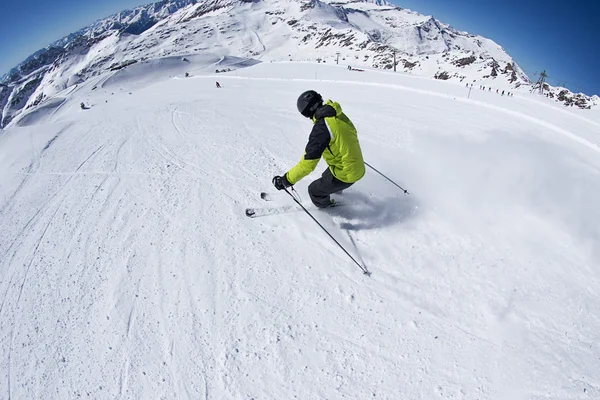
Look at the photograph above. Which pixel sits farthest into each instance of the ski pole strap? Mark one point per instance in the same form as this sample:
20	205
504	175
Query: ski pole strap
364	269
394	183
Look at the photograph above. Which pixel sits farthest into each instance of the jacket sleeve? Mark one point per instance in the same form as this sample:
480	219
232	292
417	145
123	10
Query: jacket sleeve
317	143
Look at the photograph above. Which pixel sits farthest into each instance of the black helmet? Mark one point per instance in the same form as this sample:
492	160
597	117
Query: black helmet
308	102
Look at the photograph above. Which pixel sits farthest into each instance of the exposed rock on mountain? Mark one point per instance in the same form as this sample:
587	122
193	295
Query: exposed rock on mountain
354	32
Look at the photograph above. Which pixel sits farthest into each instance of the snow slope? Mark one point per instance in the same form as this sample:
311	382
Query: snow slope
358	33
128	268
364	33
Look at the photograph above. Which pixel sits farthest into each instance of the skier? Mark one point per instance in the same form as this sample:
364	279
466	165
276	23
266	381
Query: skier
218	85
334	138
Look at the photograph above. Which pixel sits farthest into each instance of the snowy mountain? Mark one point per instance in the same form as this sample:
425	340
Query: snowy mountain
353	32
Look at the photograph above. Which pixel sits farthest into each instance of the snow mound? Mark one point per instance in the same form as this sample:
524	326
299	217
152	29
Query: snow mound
40	113
142	73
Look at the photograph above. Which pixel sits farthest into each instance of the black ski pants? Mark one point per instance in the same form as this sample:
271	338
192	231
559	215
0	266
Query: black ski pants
327	184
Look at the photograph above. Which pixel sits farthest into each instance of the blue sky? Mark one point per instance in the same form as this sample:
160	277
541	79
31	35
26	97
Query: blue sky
27	26
558	36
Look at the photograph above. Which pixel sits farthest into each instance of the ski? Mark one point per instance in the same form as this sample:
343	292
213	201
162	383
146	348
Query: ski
255	212
264	211
272	197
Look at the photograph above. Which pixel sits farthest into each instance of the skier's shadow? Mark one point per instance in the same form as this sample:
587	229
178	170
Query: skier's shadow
363	212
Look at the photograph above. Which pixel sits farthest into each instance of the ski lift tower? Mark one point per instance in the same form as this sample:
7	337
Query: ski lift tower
540	83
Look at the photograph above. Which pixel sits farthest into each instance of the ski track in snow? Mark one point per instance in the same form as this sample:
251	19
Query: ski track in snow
129	270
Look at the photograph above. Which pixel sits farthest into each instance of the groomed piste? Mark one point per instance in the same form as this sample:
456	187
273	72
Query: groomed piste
128	268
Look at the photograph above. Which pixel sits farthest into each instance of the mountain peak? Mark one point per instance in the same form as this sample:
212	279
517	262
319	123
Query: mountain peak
367	32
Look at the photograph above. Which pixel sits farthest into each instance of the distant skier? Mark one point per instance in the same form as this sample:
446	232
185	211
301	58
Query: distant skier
334	138
489	89
503	93
83	106
218	85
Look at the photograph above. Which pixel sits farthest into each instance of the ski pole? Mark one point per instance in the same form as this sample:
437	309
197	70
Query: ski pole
394	183
364	269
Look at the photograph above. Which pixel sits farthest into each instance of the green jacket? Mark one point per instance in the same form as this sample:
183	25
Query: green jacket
334	138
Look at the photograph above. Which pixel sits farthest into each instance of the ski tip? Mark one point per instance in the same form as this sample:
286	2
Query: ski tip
265	196
367	273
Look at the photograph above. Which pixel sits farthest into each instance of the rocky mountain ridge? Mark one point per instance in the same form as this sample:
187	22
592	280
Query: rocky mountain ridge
355	32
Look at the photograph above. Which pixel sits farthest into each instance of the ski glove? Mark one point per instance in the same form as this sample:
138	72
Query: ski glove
280	182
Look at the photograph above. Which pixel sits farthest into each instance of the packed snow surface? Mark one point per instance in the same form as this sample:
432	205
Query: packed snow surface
129	270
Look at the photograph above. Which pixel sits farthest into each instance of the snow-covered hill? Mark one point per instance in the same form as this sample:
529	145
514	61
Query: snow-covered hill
364	33
129	270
